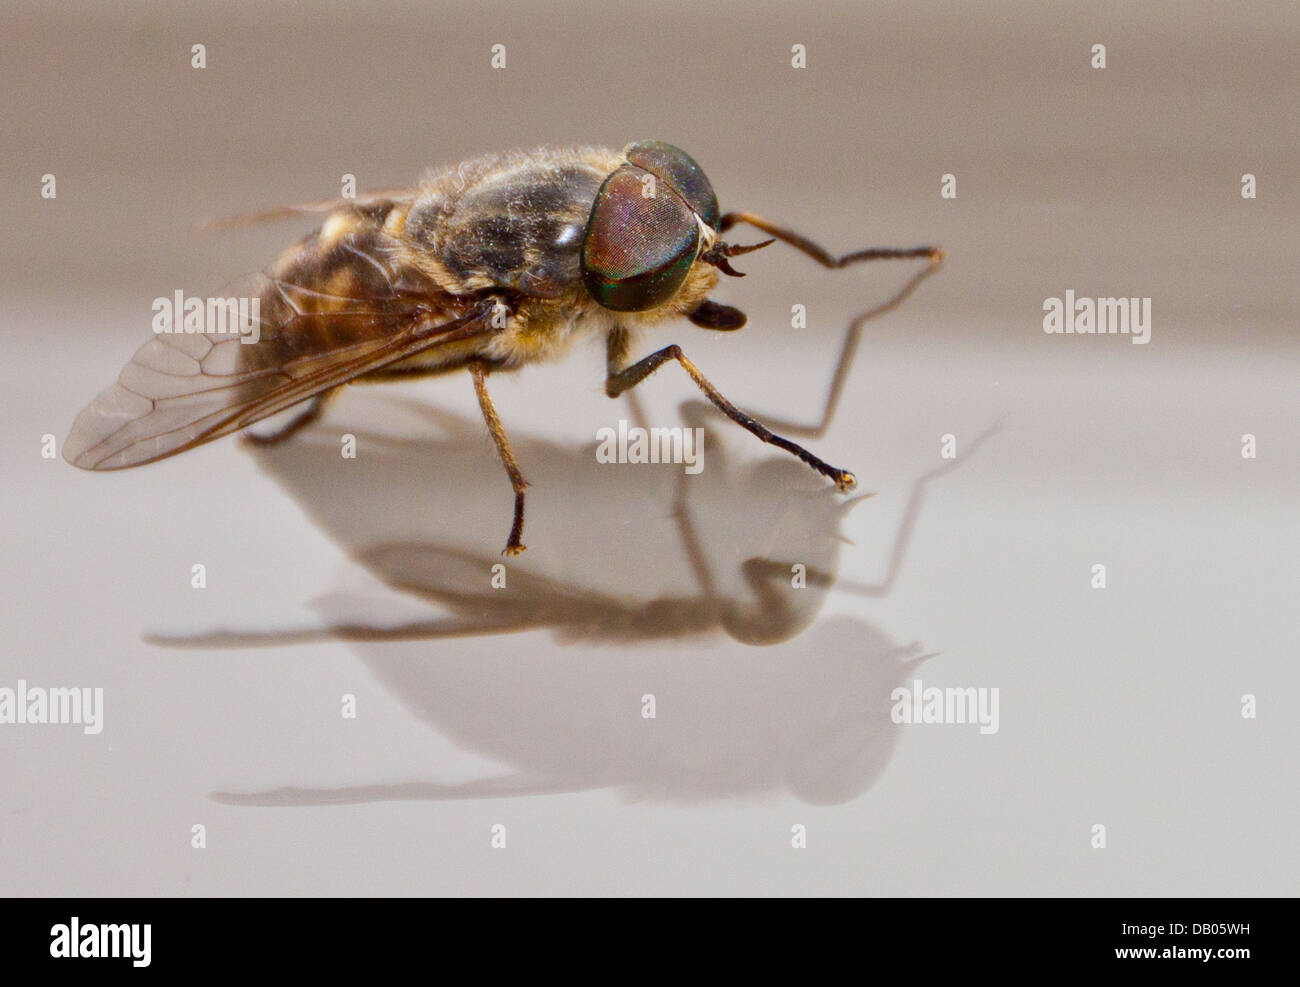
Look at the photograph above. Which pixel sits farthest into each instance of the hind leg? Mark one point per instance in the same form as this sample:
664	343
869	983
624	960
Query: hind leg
315	408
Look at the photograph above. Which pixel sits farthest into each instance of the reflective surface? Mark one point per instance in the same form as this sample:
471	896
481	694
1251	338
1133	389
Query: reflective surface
523	706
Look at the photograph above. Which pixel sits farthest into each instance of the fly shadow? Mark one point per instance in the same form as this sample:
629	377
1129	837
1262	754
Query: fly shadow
670	612
652	586
619	551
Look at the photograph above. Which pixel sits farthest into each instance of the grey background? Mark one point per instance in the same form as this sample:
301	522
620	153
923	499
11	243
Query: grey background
1118	707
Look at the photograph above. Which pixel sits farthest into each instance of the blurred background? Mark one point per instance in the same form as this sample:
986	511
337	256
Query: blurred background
523	707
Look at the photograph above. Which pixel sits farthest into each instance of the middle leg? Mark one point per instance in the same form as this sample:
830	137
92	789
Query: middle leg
479	370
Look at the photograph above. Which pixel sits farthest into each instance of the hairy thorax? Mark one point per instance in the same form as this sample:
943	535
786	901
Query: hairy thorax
514	224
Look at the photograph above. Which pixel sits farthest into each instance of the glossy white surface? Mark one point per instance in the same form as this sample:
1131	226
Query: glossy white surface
1118	706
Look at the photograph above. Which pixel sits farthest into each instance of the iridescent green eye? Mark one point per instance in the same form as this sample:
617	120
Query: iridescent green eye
643	234
640	242
678	169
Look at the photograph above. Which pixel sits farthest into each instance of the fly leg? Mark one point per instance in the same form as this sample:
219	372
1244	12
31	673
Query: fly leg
618	381
824	257
479	370
819	253
315	408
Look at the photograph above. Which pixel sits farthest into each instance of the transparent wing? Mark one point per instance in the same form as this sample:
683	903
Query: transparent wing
327	313
181	391
382	199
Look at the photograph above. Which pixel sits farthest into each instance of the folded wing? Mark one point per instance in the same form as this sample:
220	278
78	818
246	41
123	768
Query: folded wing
333	308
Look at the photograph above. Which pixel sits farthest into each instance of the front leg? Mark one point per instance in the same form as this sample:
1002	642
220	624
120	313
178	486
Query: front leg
619	380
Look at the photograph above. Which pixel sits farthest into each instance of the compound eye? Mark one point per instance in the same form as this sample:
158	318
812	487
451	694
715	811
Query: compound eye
673	165
641	241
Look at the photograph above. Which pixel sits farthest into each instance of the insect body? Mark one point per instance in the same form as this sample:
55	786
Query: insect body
500	261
